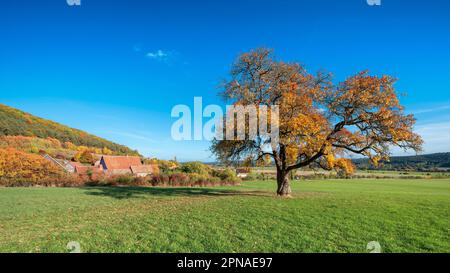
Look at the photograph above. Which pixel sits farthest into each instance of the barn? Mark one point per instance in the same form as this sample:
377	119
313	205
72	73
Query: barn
119	165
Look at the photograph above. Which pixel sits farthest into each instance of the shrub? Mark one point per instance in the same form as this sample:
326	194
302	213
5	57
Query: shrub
84	157
227	175
165	166
71	181
215	181
21	167
196	178
63	181
142	181
123	179
179	179
160	179
196	167
251	177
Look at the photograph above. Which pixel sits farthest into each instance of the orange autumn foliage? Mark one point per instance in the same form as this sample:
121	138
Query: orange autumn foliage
16	165
321	123
18	123
49	146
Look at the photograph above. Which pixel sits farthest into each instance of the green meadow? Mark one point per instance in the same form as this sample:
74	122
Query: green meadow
322	216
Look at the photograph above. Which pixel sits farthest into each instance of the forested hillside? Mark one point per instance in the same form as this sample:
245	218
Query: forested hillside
14	122
418	162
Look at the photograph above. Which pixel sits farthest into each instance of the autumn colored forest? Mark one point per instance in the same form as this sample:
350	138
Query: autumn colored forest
25	139
14	122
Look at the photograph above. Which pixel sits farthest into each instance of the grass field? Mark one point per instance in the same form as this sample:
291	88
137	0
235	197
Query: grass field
323	216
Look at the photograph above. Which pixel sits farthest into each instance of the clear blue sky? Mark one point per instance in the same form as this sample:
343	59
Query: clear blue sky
116	68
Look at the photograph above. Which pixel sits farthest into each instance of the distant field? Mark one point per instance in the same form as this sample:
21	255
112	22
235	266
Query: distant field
364	173
323	216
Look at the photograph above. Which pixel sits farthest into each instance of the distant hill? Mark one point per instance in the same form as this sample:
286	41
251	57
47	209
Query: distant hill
420	162
14	122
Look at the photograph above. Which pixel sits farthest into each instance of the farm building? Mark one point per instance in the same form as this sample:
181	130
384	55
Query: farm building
86	170
117	165
144	170
110	165
242	172
64	164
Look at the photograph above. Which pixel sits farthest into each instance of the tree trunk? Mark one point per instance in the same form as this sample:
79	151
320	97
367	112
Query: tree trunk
284	188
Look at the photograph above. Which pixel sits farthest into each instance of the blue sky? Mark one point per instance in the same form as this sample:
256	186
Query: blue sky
116	68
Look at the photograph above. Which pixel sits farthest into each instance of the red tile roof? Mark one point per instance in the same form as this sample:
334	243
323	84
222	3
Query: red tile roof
242	170
121	162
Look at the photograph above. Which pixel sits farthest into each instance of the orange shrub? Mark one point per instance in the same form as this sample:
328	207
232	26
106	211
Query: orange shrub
16	166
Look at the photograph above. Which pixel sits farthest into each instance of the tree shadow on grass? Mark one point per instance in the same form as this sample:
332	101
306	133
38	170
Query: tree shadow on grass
141	192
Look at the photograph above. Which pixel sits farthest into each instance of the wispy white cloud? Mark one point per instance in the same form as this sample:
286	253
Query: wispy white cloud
436	136
158	55
433	125
168	57
133	135
431	109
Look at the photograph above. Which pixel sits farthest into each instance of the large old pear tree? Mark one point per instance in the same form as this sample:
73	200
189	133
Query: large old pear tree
320	123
